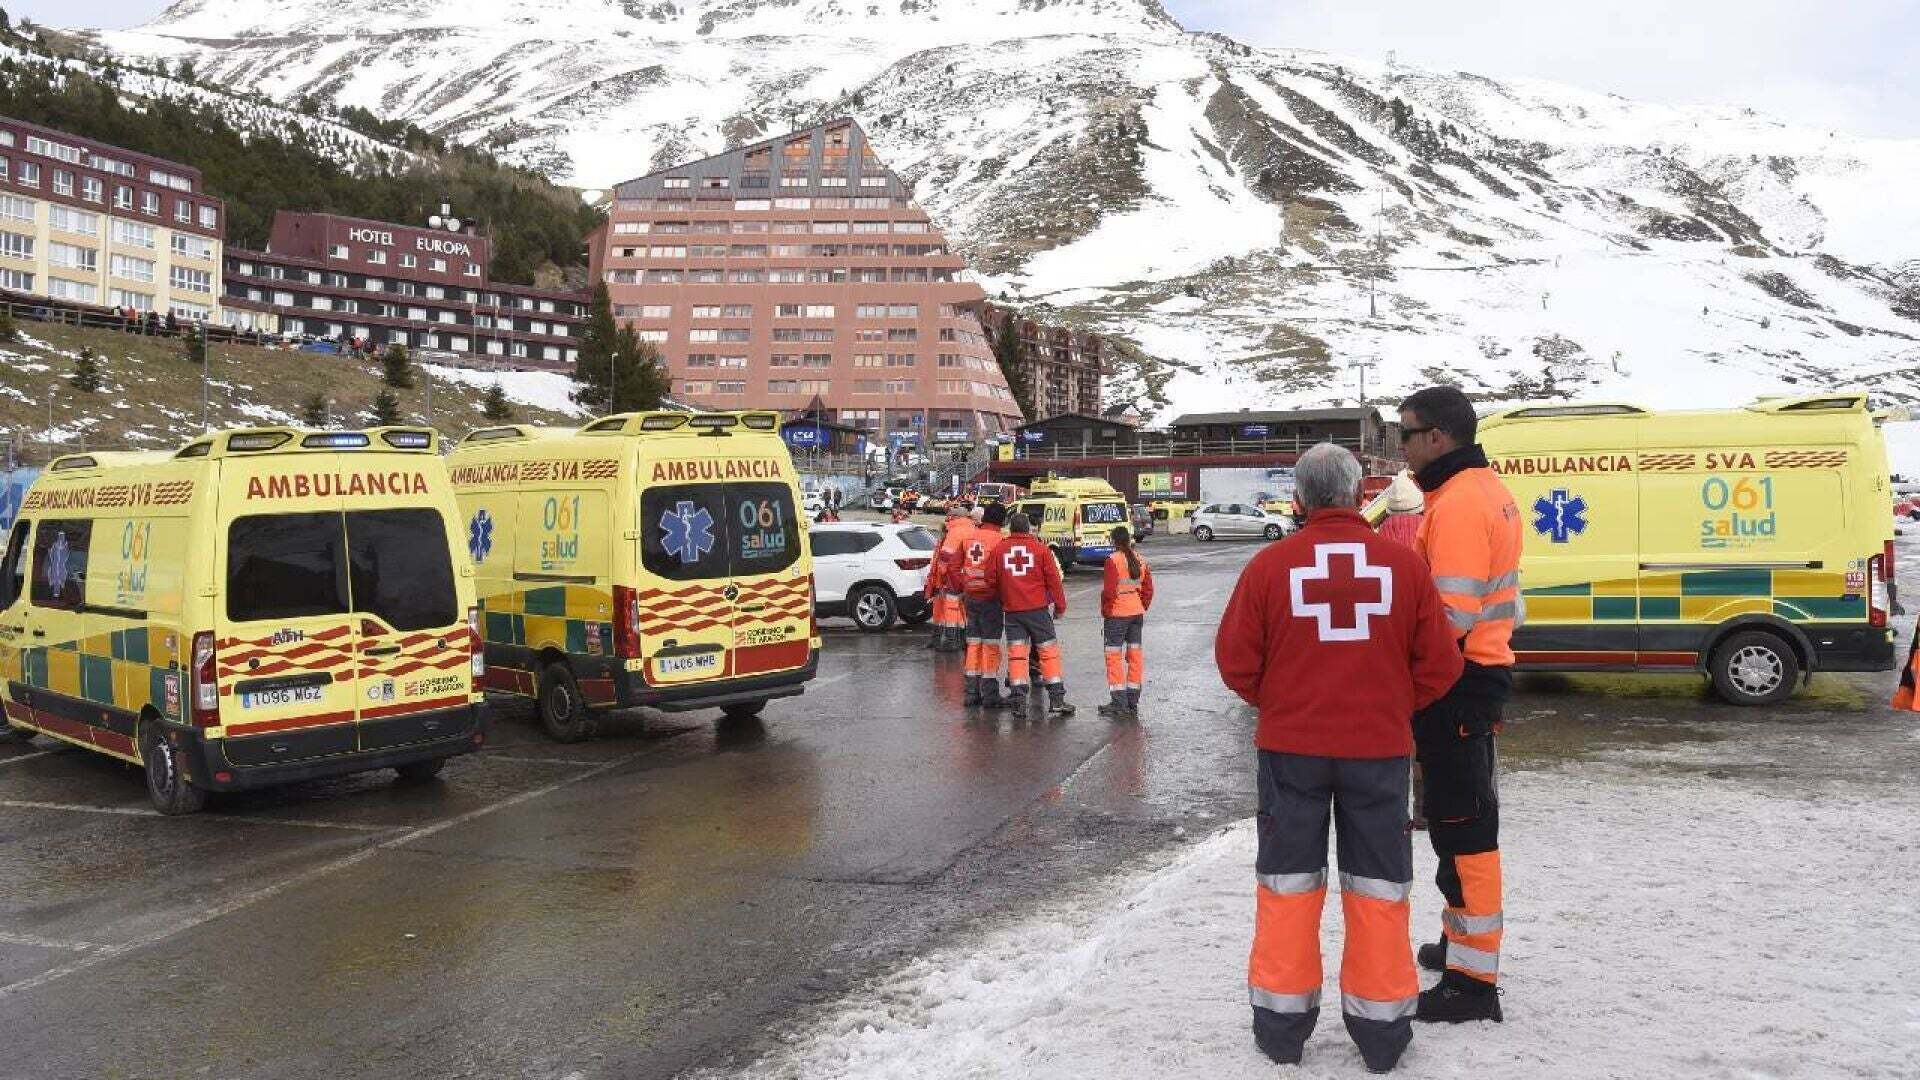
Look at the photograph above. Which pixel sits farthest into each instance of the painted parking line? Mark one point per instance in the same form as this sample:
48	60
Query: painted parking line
94	957
143	811
25	757
31	941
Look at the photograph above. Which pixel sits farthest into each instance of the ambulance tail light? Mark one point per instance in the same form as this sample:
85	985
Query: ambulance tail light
626	622
203	688
477	658
1880	586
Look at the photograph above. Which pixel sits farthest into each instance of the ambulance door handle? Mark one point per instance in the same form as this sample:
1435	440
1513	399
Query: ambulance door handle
37	632
753	607
380	650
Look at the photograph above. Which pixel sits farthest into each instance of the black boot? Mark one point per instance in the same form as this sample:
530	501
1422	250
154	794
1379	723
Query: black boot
1457	998
1434	957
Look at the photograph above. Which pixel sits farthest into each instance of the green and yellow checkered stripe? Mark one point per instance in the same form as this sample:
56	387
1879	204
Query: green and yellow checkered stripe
125	669
1705	596
560	615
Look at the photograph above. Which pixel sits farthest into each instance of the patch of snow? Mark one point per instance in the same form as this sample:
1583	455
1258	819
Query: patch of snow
1647	935
1903	447
547	390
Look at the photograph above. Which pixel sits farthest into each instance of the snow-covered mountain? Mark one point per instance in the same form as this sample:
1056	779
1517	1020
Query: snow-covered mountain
1224	207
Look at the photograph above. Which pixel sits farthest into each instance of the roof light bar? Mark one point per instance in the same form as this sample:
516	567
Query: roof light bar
408	440
336	440
664	422
254	441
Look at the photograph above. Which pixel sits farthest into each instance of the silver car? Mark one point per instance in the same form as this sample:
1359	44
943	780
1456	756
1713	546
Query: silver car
1224	520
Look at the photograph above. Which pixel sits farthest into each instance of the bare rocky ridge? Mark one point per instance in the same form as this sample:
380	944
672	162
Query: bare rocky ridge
1222	207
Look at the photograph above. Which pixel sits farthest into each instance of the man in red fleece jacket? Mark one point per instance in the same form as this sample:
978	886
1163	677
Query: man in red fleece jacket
1026	577
1336	635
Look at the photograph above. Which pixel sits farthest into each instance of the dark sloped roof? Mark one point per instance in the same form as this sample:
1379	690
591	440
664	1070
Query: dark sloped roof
1298	416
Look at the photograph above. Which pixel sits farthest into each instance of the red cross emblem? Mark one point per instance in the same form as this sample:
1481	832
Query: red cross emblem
976	552
1343	601
1017	561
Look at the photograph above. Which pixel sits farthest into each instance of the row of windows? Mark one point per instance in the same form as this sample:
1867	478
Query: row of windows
899	275
337	280
430	339
445	316
92	189
751	181
74	155
737	387
378	257
724	227
789	202
86	292
784	251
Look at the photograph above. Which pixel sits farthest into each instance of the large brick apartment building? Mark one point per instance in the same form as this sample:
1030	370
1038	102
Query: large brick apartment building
1066	368
799	268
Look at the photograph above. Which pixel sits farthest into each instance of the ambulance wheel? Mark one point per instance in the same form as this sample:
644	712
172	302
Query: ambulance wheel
563	709
419	772
1273	532
168	787
1754	668
1202	533
742	712
873	608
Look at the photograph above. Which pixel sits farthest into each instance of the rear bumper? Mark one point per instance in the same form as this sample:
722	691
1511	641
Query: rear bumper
1852	648
253	761
632	689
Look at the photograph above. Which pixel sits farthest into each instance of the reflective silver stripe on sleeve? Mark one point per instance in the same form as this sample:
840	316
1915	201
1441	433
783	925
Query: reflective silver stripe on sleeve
1461	620
1293	883
1508	580
1284	1003
1478	961
1393	892
1506	609
1385	1011
1472	924
1473	586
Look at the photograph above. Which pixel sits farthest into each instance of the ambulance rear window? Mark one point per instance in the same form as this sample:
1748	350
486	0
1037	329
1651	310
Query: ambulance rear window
699	531
1103	513
391	564
402	568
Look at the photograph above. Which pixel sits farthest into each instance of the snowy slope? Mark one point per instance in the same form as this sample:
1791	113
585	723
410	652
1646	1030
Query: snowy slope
1219	205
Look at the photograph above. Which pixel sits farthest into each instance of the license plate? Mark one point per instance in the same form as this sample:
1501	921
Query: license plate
261	699
686	665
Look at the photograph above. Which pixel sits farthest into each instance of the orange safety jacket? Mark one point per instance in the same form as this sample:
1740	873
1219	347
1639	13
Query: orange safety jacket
1471	540
967	567
1907	694
1121	594
958	530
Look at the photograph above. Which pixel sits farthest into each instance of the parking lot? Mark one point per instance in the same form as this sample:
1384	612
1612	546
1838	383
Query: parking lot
674	893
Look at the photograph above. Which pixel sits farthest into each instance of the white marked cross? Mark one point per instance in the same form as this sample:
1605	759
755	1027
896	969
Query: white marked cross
1358	625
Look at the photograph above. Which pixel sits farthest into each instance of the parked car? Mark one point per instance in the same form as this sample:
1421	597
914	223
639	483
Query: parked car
1223	520
812	502
1141	520
874	573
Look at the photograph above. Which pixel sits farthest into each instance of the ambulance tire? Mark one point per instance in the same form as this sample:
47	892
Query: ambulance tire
172	793
742	712
419	772
1202	533
1754	667
563	709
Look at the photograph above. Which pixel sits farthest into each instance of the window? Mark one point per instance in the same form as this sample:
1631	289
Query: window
290	566
435	292
902	359
78	222
122	196
798	386
150	203
402	573
899	386
38	145
73	256
903	334
17	208
909	226
656	311
377	258
323	303
339	251
472	270
92	190
655	337
17	280
409	261
795	182
667	252
830	227
127	298
417	314
182	210
869	360
62	182
725	386
16	245
676	182
283	299
752	204
803	311
29	174
438	266
13	571
78	291
126	266
792	203
165	179
190	246
208	217
746	277
134	234
60	549
698	360
873	181
715	183
190	280
374	284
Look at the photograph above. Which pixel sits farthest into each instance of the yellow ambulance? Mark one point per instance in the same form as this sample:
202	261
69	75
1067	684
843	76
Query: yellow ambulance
1749	544
1074	516
264	605
653	558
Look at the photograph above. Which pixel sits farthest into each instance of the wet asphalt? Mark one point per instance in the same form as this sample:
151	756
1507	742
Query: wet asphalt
678	893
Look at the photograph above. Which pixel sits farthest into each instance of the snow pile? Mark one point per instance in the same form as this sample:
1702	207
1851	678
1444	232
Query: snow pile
1655	927
548	390
1903	447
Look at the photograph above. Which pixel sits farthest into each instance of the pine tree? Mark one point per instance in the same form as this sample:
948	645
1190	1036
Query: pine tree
396	368
1012	359
643	381
86	372
386	409
595	361
8	331
313	410
494	406
194	347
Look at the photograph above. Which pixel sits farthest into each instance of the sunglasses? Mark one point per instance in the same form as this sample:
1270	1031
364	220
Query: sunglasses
1407	434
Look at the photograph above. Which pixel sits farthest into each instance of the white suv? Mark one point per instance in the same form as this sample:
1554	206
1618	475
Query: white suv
871	572
1239	519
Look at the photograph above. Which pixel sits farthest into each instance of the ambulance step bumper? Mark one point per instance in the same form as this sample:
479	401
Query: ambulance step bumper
719	695
254	761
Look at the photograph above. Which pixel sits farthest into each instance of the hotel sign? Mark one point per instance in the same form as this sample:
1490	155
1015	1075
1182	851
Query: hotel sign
433	245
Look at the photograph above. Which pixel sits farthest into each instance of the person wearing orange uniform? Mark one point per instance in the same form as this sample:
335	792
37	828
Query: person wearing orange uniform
1125	596
1907	694
1471	540
1026	577
986	621
943	590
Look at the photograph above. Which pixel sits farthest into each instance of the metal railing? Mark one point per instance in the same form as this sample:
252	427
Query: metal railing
68	313
1147	446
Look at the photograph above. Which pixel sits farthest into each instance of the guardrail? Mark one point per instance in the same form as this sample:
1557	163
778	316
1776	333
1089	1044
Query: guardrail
67	313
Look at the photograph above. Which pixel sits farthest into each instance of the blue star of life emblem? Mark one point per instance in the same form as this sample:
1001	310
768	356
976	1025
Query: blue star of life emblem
56	575
1560	515
480	535
687	532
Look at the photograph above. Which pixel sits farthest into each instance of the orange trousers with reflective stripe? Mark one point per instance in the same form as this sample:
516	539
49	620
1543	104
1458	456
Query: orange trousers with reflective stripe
1126	657
1366	800
1458	765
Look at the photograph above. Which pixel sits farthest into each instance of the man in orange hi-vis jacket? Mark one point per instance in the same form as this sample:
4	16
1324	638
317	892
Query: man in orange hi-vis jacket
1907	694
943	589
1471	540
1337	636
